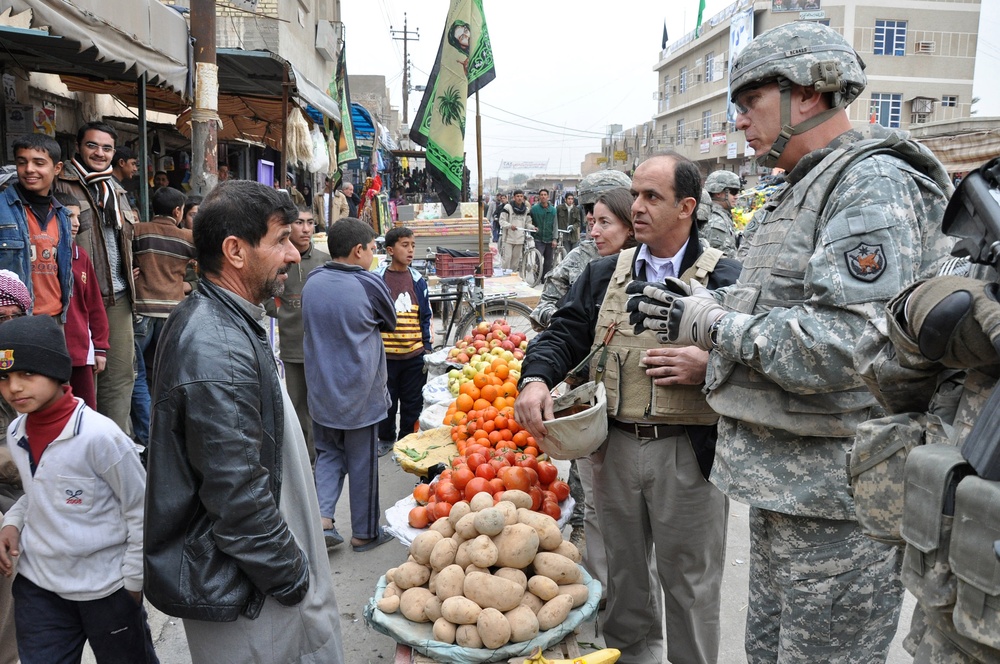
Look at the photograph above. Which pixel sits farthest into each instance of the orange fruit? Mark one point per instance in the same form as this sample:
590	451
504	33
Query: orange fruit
500	402
508	389
501	371
490	413
500	421
489	426
480	380
495	437
480	404
506	434
489	392
480	435
464	403
520	438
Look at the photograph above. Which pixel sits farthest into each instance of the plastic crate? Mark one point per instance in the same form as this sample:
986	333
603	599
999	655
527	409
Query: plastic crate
452	266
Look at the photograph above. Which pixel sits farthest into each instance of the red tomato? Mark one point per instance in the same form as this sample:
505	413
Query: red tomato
532	476
510	455
447	492
457	461
422	493
549	496
552	509
536	497
561	489
486	471
496	486
499	463
476	485
461	477
442	510
527	461
418	517
547	472
476	460
517	478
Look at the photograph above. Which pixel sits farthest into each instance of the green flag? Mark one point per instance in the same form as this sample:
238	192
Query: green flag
464	64
701	11
339	90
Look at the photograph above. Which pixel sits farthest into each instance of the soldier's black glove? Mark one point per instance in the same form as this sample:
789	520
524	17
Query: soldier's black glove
955	320
679	313
657	306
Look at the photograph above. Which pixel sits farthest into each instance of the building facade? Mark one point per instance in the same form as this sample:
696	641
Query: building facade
920	57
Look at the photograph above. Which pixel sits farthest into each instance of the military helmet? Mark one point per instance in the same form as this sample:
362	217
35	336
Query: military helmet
806	53
597	183
720	180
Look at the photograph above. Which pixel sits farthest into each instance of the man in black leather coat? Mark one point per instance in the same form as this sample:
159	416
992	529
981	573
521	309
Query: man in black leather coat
232	520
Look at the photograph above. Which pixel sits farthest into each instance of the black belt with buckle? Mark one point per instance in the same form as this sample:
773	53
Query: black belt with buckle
649	431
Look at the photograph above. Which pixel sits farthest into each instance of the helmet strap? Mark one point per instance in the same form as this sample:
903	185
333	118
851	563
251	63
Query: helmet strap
770	160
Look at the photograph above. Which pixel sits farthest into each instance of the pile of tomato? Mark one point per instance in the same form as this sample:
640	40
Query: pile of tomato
482	468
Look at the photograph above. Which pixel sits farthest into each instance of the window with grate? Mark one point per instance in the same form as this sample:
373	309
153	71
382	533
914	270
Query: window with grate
709	66
706	124
680	131
890	37
683	79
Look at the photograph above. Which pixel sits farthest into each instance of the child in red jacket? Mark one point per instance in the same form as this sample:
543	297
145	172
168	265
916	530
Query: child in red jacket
86	320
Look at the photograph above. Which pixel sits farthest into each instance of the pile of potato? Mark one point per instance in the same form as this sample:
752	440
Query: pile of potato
488	574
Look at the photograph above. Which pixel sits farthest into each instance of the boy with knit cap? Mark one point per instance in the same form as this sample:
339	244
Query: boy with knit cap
75	537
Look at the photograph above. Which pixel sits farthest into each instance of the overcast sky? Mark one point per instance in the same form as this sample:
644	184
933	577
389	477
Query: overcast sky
565	69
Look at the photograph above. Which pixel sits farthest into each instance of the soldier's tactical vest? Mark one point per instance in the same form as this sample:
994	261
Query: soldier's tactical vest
632	396
773	275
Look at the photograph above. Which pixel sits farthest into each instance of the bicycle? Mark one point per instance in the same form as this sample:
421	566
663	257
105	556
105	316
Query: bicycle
530	267
559	253
469	306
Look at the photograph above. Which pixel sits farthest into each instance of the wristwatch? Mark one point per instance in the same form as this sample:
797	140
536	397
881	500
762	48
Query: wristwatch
531	379
713	332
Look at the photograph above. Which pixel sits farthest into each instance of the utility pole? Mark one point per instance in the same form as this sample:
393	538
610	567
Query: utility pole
406	36
205	112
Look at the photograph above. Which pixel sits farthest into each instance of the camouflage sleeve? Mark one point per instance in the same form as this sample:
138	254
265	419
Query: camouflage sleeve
882	231
557	284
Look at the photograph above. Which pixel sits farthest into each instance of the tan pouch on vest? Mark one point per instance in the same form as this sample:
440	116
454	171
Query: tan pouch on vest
974	562
932	474
876	467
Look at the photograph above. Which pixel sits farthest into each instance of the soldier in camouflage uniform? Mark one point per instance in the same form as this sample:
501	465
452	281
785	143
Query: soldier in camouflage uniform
859	219
933	360
719	230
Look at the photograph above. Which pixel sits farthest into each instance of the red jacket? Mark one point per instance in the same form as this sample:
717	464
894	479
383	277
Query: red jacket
86	318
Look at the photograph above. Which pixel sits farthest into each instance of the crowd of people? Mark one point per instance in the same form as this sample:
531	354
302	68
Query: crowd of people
763	367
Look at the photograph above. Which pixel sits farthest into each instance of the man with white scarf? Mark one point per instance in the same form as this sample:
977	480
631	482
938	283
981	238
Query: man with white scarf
106	230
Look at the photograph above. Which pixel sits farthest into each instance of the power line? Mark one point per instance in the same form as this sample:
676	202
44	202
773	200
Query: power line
548	124
547	131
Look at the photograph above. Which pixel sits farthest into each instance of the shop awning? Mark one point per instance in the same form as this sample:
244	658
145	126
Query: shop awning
364	129
261	73
104	39
965	152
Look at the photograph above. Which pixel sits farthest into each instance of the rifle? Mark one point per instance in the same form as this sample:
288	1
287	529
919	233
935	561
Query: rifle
973	216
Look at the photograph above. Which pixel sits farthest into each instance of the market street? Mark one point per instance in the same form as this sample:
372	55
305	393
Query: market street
355	576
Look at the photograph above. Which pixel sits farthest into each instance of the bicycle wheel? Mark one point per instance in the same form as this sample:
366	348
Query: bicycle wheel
531	266
515	313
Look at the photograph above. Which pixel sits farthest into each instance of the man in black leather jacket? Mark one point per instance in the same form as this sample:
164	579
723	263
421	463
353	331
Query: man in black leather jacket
220	545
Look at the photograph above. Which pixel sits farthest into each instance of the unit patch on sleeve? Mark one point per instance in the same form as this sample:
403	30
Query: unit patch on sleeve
866	261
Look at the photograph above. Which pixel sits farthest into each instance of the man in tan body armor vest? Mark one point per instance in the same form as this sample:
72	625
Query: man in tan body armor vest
649	476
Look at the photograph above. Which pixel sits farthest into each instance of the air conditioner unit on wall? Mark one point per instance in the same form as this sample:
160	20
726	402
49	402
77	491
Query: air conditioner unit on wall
924	47
922	105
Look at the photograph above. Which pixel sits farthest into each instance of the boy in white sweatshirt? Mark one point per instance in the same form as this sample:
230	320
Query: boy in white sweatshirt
75	537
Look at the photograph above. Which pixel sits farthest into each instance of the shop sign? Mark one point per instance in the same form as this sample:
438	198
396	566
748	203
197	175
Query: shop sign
706	145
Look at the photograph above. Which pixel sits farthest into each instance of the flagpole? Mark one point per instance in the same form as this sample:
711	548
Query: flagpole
481	271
